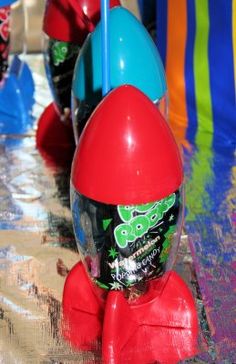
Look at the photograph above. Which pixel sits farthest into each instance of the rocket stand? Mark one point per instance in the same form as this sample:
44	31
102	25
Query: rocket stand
16	96
159	325
54	139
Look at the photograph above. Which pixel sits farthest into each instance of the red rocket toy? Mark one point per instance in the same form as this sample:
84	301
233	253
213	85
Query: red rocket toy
66	24
127	207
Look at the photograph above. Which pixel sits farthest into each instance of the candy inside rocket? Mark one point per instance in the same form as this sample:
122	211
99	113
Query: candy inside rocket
66	26
126	191
59	59
133	58
124	245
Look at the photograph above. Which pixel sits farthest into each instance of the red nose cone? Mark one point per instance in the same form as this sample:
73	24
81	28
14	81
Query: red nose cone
127	153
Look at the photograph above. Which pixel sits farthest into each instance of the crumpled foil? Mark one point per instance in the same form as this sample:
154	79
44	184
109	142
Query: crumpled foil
37	247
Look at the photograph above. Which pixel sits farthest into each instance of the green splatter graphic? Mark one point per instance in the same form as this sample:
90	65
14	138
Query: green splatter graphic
61	51
106	223
167	244
116	286
113	253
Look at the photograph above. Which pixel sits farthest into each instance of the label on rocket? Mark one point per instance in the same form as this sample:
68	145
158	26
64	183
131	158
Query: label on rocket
124	245
60	58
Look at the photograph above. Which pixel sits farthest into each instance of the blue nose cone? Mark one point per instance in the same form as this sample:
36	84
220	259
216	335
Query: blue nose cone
134	60
6	2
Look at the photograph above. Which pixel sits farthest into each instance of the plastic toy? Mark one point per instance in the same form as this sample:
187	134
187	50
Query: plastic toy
127	207
16	82
67	25
4	3
134	60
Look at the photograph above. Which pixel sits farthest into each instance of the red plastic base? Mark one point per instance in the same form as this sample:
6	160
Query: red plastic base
54	140
160	326
83	310
164	329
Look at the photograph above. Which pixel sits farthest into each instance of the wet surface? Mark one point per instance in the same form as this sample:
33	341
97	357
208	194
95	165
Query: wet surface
36	231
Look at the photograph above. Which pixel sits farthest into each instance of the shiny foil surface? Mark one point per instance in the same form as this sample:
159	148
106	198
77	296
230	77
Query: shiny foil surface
38	248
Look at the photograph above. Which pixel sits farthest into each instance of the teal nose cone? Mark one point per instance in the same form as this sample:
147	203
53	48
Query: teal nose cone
134	60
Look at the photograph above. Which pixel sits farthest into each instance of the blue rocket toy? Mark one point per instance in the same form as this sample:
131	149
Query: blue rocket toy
16	98
6	2
16	82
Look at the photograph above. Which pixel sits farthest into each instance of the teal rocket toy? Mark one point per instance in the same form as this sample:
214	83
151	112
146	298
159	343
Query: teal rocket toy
134	60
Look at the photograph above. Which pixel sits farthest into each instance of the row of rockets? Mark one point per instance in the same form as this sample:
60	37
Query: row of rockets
126	188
